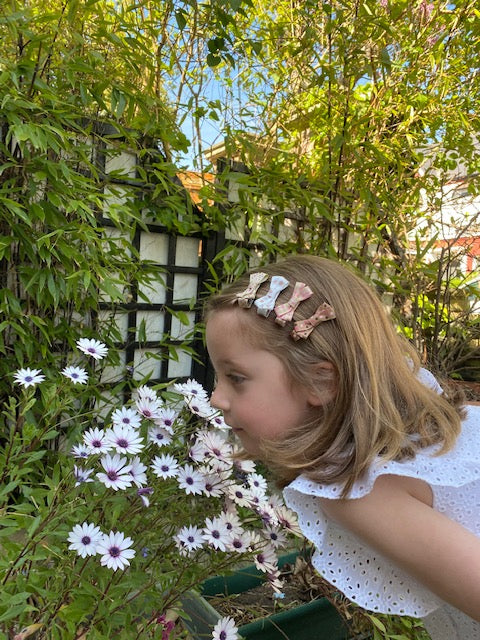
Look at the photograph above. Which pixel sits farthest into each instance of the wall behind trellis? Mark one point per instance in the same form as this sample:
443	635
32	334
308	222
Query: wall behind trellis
157	320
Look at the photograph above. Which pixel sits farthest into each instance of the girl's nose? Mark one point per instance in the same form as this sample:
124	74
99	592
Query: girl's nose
218	399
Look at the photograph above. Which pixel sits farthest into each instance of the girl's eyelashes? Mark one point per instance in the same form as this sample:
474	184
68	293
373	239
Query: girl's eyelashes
235	378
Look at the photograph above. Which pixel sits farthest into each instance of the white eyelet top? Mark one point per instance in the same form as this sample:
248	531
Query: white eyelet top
360	572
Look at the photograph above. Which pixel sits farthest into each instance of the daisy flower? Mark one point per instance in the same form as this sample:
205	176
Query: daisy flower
216	534
218	421
214	484
225	629
126	417
115	550
240	542
166	419
287	519
266	559
82	475
124	439
28	377
231	520
188	539
146	393
240	495
243	466
149	408
117	472
275	536
80	451
190	480
199	407
97	350
191	389
143	494
258	481
165	466
160	436
76	374
216	446
95	441
84	539
137	471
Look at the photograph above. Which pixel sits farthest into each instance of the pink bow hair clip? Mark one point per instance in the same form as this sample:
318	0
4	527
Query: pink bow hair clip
266	303
245	298
303	328
284	312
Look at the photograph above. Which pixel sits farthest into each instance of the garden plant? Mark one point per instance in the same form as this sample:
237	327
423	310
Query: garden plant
139	503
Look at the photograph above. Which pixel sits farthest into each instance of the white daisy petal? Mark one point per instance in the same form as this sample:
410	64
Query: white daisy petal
165	466
115	550
84	539
28	377
76	374
126	417
225	629
93	348
124	439
117	472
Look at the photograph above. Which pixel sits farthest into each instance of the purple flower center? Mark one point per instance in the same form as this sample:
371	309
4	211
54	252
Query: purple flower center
191	539
75	375
114	552
123	443
165	468
112	475
126	420
167	423
96	443
189	480
223	635
216	534
86	540
237	544
91	350
28	378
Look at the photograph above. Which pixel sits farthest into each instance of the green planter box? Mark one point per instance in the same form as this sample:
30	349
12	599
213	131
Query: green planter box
316	620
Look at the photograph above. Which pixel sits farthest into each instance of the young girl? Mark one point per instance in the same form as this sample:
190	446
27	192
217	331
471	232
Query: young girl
381	467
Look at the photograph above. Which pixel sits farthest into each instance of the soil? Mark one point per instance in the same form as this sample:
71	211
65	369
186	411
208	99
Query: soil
301	585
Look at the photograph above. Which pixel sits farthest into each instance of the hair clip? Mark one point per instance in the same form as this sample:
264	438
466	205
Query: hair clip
303	328
266	303
245	298
284	312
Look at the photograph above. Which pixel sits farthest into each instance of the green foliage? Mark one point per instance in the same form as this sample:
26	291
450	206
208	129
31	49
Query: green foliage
85	141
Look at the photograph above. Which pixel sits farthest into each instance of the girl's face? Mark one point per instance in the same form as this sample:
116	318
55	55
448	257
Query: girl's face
253	390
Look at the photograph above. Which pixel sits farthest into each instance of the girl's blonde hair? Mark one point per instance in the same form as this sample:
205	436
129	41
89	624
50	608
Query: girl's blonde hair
379	409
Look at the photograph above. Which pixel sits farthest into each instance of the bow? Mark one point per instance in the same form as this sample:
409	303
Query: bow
284	312
245	298
266	303
303	328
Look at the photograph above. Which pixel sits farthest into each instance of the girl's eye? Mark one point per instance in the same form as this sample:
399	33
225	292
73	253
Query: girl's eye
235	379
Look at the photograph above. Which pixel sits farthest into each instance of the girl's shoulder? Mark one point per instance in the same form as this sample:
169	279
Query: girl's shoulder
456	467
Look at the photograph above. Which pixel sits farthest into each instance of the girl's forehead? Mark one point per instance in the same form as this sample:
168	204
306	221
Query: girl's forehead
230	329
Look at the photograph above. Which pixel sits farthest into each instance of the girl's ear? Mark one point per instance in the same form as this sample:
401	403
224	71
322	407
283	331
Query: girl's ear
324	383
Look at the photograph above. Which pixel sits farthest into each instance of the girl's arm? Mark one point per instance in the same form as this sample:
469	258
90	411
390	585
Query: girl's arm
396	518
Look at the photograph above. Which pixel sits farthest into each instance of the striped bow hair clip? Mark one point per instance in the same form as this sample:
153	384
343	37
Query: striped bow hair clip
284	312
245	298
